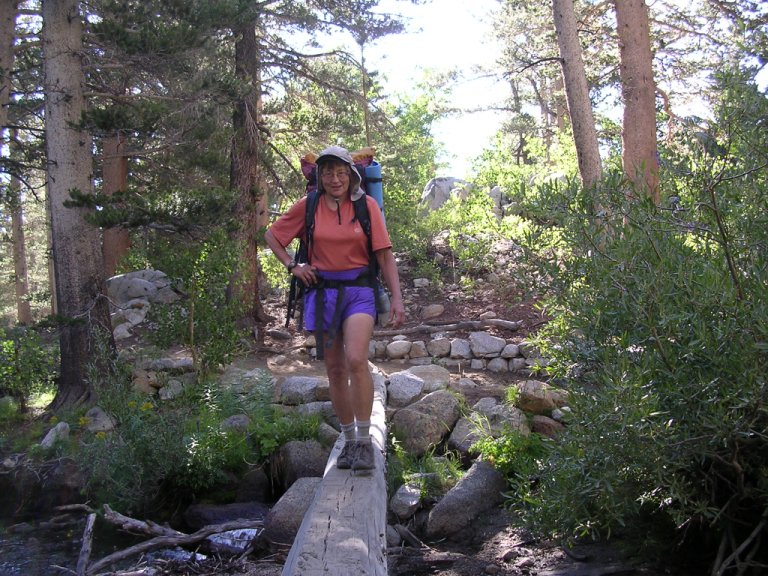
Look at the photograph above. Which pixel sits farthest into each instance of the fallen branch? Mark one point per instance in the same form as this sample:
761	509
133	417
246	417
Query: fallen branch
85	550
133	526
464	325
164	537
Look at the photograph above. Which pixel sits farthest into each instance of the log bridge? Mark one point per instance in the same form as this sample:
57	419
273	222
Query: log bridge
344	530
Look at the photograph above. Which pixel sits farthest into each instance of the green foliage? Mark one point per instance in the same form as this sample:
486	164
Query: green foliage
434	475
27	364
660	330
207	322
128	466
471	227
179	448
515	455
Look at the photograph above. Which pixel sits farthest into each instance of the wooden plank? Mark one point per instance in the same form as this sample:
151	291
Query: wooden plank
344	530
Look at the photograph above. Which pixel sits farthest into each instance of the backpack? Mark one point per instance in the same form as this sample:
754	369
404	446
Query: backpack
370	174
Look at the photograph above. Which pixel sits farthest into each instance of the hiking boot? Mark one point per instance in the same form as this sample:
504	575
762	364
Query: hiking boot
363	457
344	461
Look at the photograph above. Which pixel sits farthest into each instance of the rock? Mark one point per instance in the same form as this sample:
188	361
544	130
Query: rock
393	537
418	350
295	390
58	433
135	311
460	348
498	365
424	423
434	377
398	349
466	432
99	420
173	389
301	459
125	287
284	519
183	364
510	351
431	311
122	331
145	381
438	190
236	423
404	388
277	334
479	490
254	486
439	347
501	417
539	397
327	434
546	426
483	345
405	502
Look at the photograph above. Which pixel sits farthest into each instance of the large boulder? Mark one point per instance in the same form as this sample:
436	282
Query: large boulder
425	423
439	190
284	519
301	459
480	489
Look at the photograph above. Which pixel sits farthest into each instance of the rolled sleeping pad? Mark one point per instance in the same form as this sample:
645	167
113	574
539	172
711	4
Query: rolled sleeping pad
375	189
373	184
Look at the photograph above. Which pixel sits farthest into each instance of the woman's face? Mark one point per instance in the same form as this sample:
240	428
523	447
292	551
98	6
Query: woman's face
335	178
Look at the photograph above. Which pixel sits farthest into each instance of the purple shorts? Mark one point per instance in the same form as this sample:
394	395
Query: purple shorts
356	300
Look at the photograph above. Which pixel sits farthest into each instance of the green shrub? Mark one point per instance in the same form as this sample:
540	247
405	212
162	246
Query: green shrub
27	365
207	319
434	475
659	331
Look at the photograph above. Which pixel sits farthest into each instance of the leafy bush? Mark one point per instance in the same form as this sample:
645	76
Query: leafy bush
208	320
27	365
434	475
660	330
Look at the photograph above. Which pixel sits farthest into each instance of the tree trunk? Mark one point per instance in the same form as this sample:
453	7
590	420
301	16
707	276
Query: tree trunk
8	13
76	243
21	279
638	133
246	176
577	93
117	241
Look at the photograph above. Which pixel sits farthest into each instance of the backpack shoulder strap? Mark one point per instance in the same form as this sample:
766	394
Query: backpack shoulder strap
309	221
363	216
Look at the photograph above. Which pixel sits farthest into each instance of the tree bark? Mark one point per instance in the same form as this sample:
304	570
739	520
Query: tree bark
246	176
577	93
76	243
21	278
638	133
8	14
117	241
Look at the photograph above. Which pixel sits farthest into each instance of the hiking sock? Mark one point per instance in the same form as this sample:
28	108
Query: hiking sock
363	430
349	431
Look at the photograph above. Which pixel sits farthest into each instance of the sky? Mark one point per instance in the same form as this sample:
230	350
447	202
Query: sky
441	36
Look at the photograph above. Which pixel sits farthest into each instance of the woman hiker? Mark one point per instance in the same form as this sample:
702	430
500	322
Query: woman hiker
339	265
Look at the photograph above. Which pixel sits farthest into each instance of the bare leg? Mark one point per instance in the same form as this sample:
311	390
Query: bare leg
346	363
357	332
338	380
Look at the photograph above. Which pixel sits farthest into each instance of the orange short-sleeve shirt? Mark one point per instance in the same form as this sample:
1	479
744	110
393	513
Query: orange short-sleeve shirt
339	242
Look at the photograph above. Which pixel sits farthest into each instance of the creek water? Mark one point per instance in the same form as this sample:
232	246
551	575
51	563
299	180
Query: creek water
34	549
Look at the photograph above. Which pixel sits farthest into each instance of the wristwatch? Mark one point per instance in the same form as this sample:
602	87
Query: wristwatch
291	265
